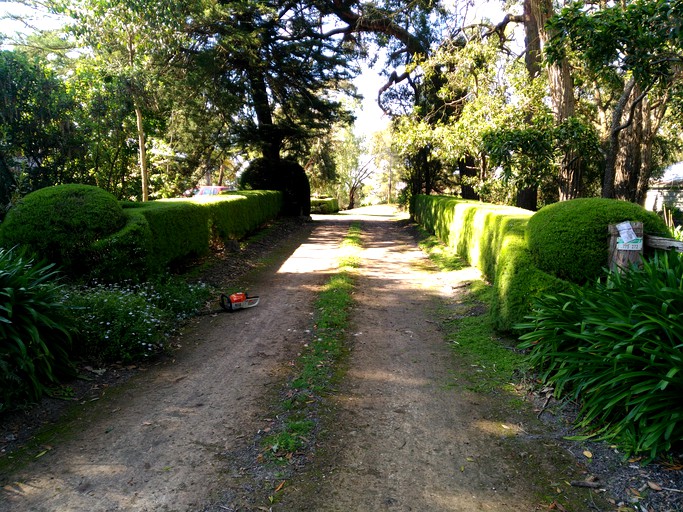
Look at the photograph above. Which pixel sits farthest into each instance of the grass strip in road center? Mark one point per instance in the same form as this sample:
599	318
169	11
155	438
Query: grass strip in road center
320	364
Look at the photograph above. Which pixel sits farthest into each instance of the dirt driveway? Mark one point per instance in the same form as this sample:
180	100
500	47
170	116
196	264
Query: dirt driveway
405	432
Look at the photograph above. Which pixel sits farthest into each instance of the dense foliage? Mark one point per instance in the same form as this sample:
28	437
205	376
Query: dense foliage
630	52
156	96
60	223
35	331
570	239
616	347
38	143
594	118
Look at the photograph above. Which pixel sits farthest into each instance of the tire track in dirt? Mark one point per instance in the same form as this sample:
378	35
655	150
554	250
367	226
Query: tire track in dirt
159	442
408	435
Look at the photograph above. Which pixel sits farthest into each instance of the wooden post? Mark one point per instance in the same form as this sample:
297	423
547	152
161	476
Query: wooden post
623	255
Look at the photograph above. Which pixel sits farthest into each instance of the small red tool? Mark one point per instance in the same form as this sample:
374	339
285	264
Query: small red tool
239	300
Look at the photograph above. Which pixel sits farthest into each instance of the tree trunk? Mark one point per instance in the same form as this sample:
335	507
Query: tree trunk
391	181
352	198
269	135
8	185
628	163
467	169
221	174
142	152
633	162
527	198
613	141
532	42
562	96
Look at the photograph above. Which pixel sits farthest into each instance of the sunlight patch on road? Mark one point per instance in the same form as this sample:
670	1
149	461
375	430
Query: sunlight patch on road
462	500
384	376
499	429
310	258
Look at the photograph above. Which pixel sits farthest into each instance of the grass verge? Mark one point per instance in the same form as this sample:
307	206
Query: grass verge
468	327
470	333
496	369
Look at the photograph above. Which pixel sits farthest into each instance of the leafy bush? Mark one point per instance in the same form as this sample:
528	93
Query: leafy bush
570	240
286	176
130	322
324	205
35	337
617	347
60	223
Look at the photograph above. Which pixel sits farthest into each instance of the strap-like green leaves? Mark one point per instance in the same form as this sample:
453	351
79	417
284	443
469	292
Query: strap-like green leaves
616	347
35	338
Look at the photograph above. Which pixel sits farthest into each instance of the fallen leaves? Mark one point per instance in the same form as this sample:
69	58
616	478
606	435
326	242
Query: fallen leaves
654	486
46	449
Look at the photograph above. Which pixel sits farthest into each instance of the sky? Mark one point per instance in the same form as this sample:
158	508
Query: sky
369	117
11	26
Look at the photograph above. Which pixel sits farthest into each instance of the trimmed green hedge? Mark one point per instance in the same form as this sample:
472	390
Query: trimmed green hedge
182	228
179	229
93	236
125	254
324	205
60	223
570	239
492	238
236	214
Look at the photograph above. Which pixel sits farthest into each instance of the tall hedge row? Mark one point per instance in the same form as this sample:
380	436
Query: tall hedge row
524	254
324	205
233	215
86	231
180	231
492	238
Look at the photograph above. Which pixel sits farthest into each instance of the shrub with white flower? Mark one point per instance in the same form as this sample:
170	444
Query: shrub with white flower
126	323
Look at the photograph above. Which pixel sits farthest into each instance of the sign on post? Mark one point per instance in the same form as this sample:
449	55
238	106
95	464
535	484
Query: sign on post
626	245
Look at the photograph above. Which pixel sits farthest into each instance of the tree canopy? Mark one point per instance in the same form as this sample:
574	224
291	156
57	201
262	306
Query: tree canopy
147	98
